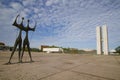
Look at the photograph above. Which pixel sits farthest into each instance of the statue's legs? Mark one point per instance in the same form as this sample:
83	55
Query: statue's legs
29	52
26	42
19	54
15	46
23	51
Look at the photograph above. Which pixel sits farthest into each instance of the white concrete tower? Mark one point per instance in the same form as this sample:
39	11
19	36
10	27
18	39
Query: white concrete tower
99	40
102	40
105	40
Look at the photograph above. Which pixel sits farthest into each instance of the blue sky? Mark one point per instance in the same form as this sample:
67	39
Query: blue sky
64	23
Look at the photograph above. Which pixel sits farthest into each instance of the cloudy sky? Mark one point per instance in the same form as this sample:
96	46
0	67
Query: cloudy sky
64	23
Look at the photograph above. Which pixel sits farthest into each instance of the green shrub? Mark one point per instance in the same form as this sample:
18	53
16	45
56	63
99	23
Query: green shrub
118	49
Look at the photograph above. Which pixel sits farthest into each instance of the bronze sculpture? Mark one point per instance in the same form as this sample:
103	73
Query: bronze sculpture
26	41
19	40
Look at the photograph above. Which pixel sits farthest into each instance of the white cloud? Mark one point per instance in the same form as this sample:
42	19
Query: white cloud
50	2
28	2
7	32
82	24
65	22
16	6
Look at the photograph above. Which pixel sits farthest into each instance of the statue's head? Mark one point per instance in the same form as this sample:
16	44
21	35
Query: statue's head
28	20
28	23
22	18
22	21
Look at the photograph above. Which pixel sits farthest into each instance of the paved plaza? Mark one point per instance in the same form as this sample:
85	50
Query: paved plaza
55	66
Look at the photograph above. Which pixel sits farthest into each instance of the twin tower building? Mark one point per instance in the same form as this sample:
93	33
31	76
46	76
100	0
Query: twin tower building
102	40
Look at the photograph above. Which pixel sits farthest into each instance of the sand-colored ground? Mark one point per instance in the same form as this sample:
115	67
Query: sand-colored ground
60	67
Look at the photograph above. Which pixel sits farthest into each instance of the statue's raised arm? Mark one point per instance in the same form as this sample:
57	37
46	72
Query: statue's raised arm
15	22
20	26
33	29
35	26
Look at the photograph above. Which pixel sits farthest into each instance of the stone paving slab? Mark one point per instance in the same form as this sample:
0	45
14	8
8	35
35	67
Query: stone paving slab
60	67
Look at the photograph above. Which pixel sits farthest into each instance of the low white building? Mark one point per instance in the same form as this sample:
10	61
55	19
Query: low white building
113	51
50	50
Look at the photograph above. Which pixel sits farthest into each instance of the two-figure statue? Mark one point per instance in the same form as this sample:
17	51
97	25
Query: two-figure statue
18	41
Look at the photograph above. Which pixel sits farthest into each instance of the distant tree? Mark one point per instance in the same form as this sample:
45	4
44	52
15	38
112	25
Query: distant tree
53	46
118	49
66	50
1	43
81	51
35	50
71	50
